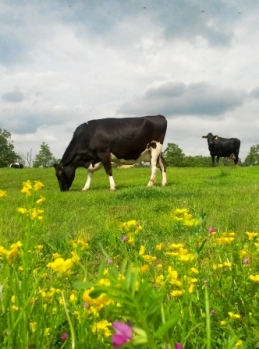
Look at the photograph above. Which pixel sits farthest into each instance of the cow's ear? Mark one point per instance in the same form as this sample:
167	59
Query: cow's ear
204	137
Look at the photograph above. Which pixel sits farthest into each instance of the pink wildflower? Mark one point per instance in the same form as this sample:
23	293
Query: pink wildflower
64	336
178	346
123	334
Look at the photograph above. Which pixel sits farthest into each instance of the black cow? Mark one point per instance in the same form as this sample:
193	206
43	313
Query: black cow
223	147
16	165
97	143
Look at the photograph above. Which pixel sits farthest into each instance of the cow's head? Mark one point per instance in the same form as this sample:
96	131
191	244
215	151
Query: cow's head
65	176
210	138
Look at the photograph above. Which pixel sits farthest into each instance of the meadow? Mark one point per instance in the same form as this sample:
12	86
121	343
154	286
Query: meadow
174	267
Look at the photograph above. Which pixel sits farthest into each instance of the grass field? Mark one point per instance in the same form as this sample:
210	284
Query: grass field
185	259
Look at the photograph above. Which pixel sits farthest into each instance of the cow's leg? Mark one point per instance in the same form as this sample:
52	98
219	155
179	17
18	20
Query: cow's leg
88	180
105	158
154	155
162	166
213	160
217	159
90	174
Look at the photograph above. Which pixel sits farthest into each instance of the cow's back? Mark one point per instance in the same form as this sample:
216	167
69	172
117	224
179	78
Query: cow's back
226	146
123	136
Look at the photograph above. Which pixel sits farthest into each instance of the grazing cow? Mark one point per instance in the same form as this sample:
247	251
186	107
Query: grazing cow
97	143
223	147
16	165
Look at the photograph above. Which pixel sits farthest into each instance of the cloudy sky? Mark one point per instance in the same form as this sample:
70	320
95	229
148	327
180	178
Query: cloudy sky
66	62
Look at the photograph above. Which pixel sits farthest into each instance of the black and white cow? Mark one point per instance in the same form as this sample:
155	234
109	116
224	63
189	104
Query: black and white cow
98	143
223	147
16	165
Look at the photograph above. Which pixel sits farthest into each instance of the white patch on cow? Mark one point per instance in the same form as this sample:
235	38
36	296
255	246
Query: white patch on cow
144	156
232	156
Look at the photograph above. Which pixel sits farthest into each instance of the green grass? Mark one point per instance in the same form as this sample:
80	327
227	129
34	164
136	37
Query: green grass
227	195
224	198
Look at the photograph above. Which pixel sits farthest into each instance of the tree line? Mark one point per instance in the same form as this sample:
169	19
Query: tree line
8	154
173	154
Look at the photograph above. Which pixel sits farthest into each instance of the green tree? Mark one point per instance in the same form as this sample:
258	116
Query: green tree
44	158
173	155
7	153
253	156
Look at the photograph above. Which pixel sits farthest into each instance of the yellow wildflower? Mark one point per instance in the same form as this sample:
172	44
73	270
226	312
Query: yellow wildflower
194	270
56	255
234	316
131	241
187	257
177	293
149	258
102	328
227	264
22	210
72	297
33	326
175	246
16	245
173	273
172	254
251	236
160	279
99	301
191	288
75	258
77	314
143	268
223	323
224	240
254	278
47	331
14	308
38	185
39	247
104	282
175	282
39	201
80	243
142	250
61	265
26	191
180	211
3	193
238	344
243	253
159	247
